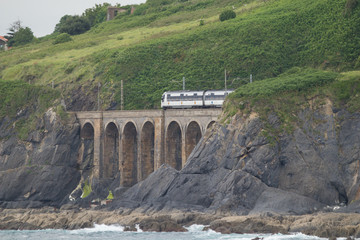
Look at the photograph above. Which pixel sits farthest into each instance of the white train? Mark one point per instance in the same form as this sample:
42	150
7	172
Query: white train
194	99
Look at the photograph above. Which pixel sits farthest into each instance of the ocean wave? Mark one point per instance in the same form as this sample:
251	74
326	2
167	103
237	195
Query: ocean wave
100	228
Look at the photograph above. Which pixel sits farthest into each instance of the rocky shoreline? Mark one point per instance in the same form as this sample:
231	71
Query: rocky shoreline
327	225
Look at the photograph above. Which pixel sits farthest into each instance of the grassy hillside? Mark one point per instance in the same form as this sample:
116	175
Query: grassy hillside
163	41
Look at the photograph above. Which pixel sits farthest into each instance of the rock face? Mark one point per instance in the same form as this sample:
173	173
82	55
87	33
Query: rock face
41	170
236	169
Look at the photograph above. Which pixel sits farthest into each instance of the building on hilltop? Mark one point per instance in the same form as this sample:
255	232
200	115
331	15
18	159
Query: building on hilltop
112	12
3	43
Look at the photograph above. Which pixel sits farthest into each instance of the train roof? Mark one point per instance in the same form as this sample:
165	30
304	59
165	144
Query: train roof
197	91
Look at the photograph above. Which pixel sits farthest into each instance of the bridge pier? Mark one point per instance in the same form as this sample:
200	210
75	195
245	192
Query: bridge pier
98	129
136	143
159	142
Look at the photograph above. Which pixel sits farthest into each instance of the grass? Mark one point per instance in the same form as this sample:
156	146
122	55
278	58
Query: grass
163	42
26	103
289	93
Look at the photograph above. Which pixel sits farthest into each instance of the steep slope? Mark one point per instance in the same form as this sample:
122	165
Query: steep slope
163	42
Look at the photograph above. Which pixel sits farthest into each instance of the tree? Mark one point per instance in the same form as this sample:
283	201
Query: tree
14	27
96	14
19	35
72	25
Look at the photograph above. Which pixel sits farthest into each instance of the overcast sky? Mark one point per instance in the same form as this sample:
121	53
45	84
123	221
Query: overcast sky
42	15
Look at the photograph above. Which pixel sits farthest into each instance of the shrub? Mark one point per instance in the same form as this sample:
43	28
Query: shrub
72	25
349	6
226	15
62	38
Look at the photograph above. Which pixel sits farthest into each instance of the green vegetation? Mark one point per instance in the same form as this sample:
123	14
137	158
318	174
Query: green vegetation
346	91
283	95
21	99
19	35
291	92
295	79
86	189
152	49
110	196
16	96
62	38
72	25
96	14
226	15
349	6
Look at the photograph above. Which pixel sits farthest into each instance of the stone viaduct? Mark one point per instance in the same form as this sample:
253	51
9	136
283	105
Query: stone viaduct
135	143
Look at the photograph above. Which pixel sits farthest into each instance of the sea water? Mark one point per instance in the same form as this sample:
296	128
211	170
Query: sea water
117	232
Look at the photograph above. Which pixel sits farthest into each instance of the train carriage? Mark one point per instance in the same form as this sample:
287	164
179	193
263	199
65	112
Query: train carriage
215	98
194	99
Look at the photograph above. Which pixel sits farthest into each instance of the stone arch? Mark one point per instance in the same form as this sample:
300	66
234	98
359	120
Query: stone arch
210	124
87	131
111	151
147	149
129	152
86	151
192	137
174	145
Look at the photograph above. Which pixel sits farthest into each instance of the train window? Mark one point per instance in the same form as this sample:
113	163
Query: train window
162	98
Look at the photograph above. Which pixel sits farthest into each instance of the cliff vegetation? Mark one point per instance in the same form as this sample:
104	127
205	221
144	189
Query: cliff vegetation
162	41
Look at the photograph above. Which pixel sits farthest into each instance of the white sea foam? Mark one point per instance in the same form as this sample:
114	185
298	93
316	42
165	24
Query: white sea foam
101	231
195	228
293	236
100	228
138	228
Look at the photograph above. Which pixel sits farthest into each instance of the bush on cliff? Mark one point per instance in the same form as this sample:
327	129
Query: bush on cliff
226	15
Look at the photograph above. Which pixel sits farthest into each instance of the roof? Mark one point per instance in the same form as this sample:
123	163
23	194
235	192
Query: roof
3	39
197	91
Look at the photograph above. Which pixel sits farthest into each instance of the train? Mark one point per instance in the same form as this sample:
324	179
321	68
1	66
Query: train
194	99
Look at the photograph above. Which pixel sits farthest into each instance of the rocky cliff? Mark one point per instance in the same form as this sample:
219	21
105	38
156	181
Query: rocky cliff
41	170
239	169
235	169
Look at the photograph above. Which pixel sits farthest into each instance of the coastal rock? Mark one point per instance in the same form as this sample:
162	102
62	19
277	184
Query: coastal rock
235	169
281	202
161	224
328	225
252	224
42	170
